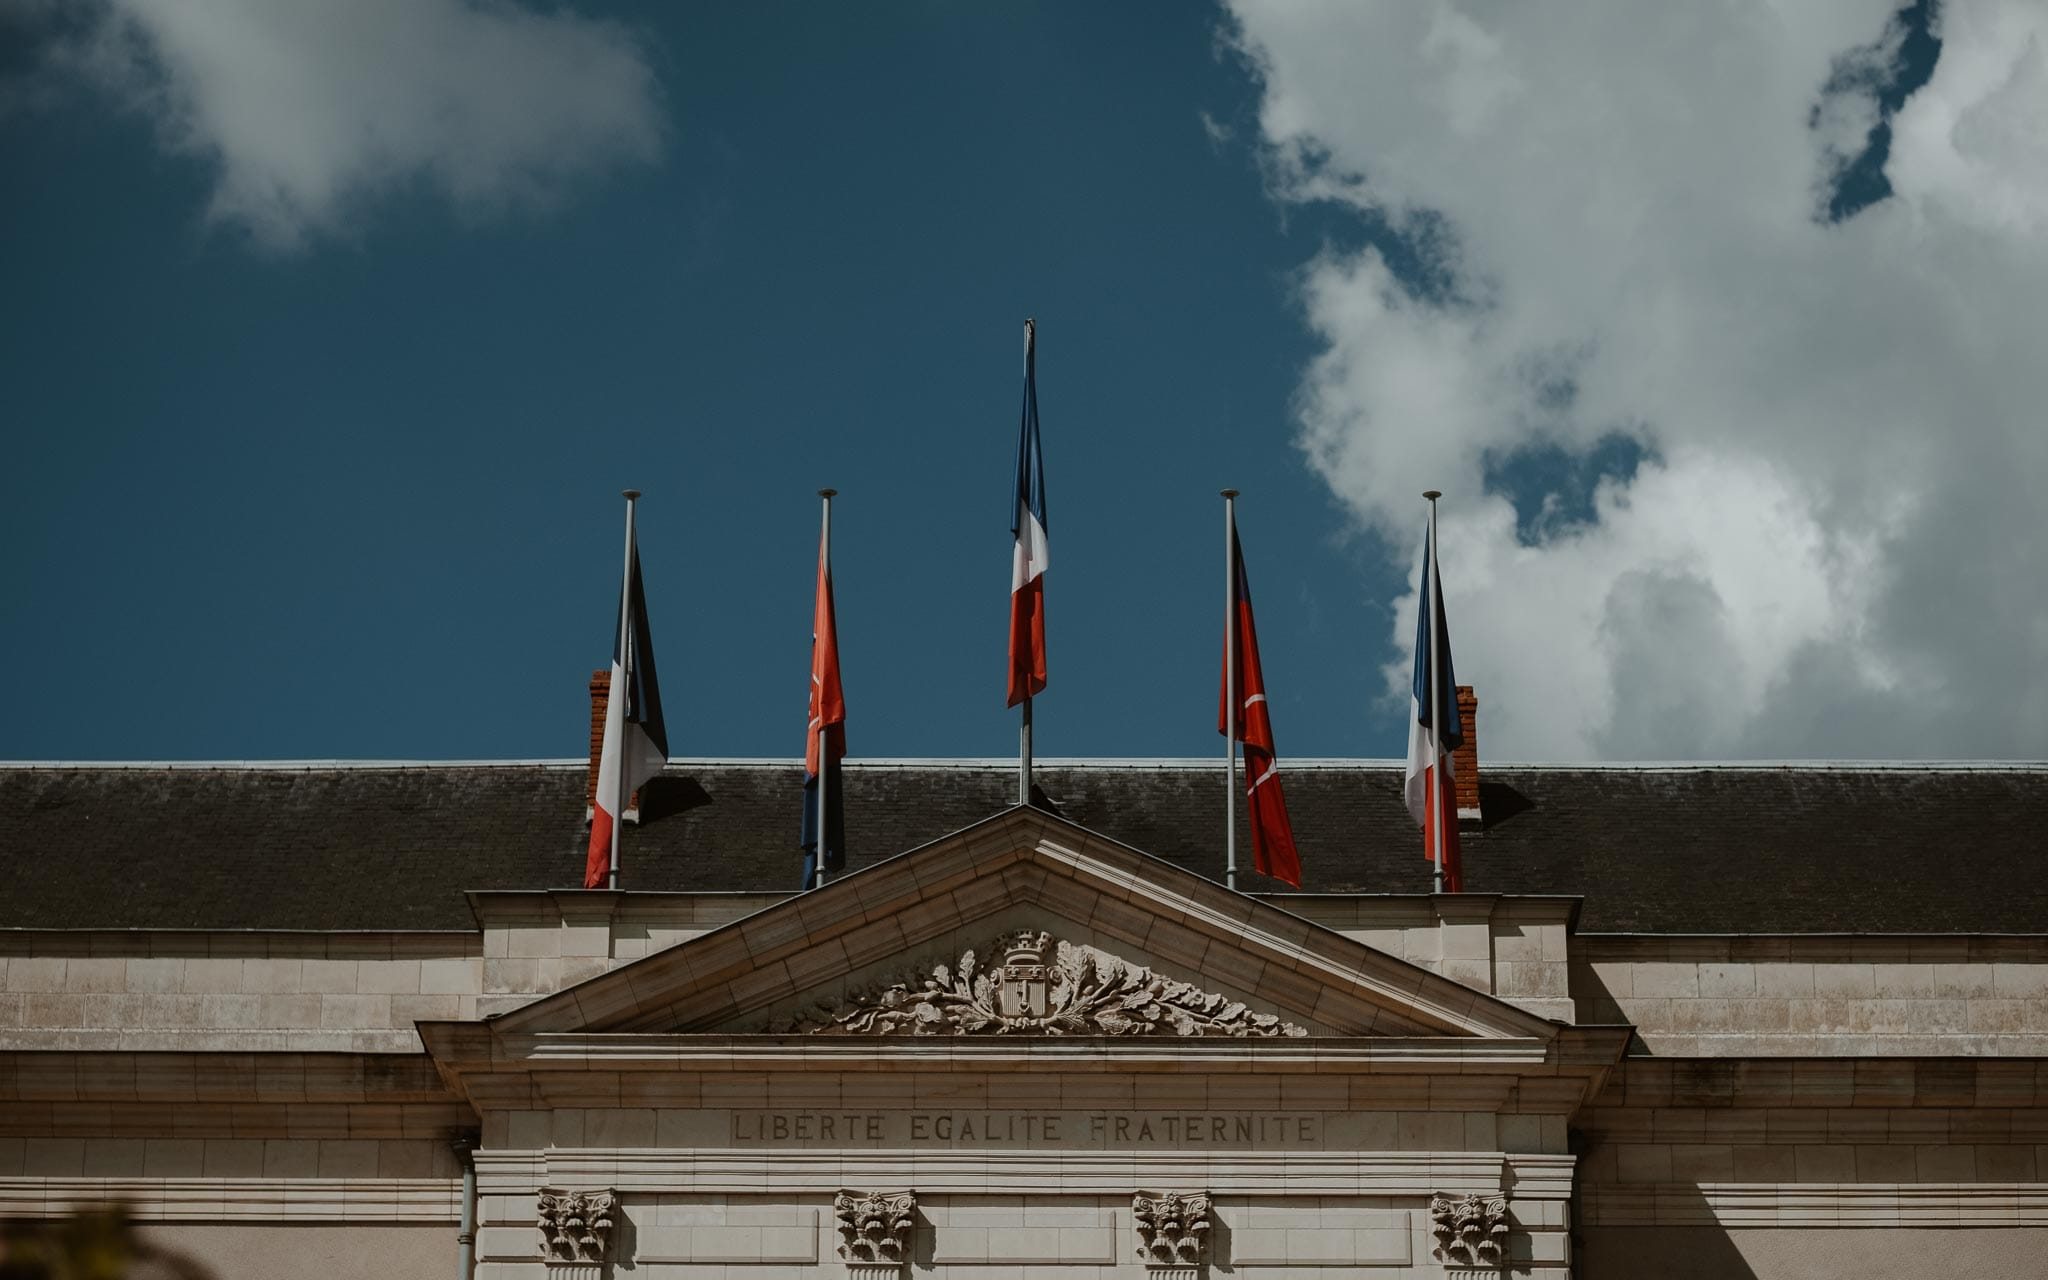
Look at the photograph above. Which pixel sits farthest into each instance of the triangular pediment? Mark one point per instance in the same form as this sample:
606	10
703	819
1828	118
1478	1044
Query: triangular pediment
1070	933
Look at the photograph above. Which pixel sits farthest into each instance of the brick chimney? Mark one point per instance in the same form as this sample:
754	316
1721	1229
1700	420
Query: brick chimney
600	698
1465	761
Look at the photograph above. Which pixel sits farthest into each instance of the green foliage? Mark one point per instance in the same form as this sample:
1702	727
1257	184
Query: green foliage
93	1244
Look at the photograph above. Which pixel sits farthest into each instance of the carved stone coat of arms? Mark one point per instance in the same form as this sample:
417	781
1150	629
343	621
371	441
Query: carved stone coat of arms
1040	988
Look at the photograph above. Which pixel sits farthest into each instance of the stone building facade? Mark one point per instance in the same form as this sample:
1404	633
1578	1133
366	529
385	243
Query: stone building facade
304	1019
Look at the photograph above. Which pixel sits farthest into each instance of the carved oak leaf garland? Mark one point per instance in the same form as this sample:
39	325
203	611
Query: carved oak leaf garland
1083	992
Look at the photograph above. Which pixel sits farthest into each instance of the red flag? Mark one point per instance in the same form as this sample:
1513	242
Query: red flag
1273	852
828	721
828	700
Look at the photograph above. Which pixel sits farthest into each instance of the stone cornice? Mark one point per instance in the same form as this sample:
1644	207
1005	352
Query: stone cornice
66	1076
1646	1084
622	1052
295	1200
517	1071
1772	1204
1534	1177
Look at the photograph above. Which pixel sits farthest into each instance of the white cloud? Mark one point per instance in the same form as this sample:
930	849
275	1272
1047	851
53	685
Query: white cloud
1830	547
311	110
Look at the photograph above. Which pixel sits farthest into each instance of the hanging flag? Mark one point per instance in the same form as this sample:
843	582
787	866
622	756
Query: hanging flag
1273	852
1429	767
1027	525
635	740
828	713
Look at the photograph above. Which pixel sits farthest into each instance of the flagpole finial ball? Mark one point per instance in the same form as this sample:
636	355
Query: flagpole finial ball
828	493
1229	493
629	494
1432	494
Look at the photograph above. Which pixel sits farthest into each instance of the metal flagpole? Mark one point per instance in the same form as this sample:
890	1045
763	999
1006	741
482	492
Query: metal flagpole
626	682
1436	701
1235	713
1024	755
824	741
1024	728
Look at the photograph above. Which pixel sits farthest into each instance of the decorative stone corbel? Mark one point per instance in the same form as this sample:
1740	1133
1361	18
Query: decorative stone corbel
1471	1234
874	1232
1173	1233
575	1232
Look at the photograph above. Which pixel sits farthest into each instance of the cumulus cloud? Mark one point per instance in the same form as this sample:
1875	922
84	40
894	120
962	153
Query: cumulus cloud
311	110
1613	220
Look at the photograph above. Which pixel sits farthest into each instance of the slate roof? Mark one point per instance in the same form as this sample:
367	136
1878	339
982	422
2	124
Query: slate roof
1725	849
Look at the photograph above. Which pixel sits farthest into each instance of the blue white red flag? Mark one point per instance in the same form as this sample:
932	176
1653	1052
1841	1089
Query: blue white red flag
1429	755
1273	852
828	720
1027	526
635	739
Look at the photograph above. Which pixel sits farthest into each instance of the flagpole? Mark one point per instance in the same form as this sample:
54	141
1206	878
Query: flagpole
1024	725
626	682
1435	774
1024	755
1233	712
824	742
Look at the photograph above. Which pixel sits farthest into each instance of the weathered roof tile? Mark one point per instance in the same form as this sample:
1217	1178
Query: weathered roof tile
1708	850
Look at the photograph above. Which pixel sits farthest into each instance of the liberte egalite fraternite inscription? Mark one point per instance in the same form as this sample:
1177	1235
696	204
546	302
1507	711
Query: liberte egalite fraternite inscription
1080	991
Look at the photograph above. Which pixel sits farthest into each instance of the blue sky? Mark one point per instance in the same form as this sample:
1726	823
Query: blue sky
359	498
332	333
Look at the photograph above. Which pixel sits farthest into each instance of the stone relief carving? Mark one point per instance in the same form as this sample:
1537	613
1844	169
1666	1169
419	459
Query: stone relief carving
874	1228
1471	1231
1081	991
1173	1230
575	1226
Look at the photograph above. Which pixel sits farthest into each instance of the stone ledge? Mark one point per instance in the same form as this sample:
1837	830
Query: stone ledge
297	1200
1535	1177
1763	1204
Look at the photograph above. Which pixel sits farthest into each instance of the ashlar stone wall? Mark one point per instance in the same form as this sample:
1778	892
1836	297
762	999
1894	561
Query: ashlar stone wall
1818	996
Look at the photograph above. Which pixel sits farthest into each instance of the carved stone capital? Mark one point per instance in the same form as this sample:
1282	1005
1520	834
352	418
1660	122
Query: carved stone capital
575	1231
1471	1234
1041	987
874	1232
1173	1233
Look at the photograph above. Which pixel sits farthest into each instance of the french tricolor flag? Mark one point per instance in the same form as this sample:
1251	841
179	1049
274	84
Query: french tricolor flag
1027	524
635	739
1434	731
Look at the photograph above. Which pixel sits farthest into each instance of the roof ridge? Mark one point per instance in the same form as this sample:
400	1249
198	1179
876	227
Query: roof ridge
1073	762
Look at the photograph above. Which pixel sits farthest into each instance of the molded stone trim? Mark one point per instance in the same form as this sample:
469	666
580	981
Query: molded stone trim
310	1200
1860	1204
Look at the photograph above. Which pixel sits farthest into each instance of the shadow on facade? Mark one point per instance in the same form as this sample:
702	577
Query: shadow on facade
665	797
625	1241
1668	1253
